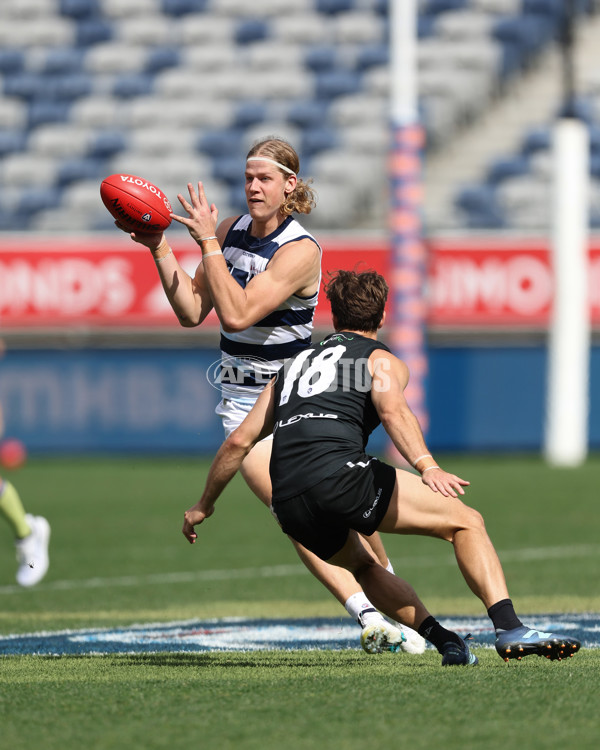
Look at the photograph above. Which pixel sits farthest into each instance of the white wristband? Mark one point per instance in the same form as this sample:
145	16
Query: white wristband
416	461
429	467
162	257
214	252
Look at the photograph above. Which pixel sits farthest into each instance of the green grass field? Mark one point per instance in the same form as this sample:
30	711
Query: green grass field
118	557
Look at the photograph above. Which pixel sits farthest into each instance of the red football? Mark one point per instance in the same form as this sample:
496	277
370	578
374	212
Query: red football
136	203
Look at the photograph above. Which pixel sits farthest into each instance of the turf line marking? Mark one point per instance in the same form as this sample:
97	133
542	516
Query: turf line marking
283	571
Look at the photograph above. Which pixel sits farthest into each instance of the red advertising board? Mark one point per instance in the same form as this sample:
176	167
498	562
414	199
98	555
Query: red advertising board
112	283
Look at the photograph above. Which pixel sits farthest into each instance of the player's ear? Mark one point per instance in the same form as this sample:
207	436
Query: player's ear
382	321
335	322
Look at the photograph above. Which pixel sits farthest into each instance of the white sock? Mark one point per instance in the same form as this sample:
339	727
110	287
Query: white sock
360	609
390	567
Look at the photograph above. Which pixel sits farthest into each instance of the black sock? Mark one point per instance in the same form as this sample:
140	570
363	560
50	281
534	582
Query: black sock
503	616
436	634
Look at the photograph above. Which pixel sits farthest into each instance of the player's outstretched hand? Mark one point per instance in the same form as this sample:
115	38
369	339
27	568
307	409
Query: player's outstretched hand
441	481
193	517
202	217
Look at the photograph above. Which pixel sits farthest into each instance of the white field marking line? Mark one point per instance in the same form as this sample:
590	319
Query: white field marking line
282	571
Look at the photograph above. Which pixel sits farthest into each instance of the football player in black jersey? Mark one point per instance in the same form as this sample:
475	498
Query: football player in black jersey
327	491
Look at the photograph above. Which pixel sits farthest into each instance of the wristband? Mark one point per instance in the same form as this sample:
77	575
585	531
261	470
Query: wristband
205	239
416	461
163	257
214	252
429	467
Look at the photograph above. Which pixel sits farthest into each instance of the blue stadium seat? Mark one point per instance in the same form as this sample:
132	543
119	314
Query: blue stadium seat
79	8
536	139
46	111
334	6
217	143
74	170
64	60
512	166
321	58
251	30
131	85
372	55
12	141
317	139
66	87
24	85
93	31
480	204
107	143
37	199
183	7
160	58
248	113
336	83
229	169
308	113
11	60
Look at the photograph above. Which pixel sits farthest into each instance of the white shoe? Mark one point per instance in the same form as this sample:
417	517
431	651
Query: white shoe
413	642
381	636
32	552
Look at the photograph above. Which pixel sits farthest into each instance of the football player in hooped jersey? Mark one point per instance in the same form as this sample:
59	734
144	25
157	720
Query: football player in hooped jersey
261	273
327	491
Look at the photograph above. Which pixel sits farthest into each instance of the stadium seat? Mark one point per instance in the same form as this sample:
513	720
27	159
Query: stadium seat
357	28
251	30
115	57
334	83
183	7
43	111
79	8
12	141
75	170
59	140
11	61
123	9
161	58
133	84
93	30
64	60
145	31
513	166
13	114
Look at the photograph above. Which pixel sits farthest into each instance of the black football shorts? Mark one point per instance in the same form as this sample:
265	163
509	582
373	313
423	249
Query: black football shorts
354	497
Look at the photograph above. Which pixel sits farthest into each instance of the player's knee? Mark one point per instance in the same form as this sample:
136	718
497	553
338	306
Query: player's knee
473	519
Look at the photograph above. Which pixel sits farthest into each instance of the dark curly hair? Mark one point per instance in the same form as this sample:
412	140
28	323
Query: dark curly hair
357	299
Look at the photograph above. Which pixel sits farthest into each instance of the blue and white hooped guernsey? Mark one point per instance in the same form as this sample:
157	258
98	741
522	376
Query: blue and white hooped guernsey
250	358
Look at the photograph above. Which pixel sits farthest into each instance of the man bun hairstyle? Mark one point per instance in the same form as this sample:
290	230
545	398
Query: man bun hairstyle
357	299
302	199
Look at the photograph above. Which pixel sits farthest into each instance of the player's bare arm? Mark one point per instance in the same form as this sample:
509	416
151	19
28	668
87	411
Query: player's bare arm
294	269
257	425
390	378
189	297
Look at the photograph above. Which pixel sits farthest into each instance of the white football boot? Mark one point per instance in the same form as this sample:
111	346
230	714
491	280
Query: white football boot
32	552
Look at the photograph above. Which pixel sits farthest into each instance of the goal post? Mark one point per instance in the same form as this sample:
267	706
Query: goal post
408	254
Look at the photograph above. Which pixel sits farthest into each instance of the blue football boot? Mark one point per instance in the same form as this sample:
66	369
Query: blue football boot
524	641
455	654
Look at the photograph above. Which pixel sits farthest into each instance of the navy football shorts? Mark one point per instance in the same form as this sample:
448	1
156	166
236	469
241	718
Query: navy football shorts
356	497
